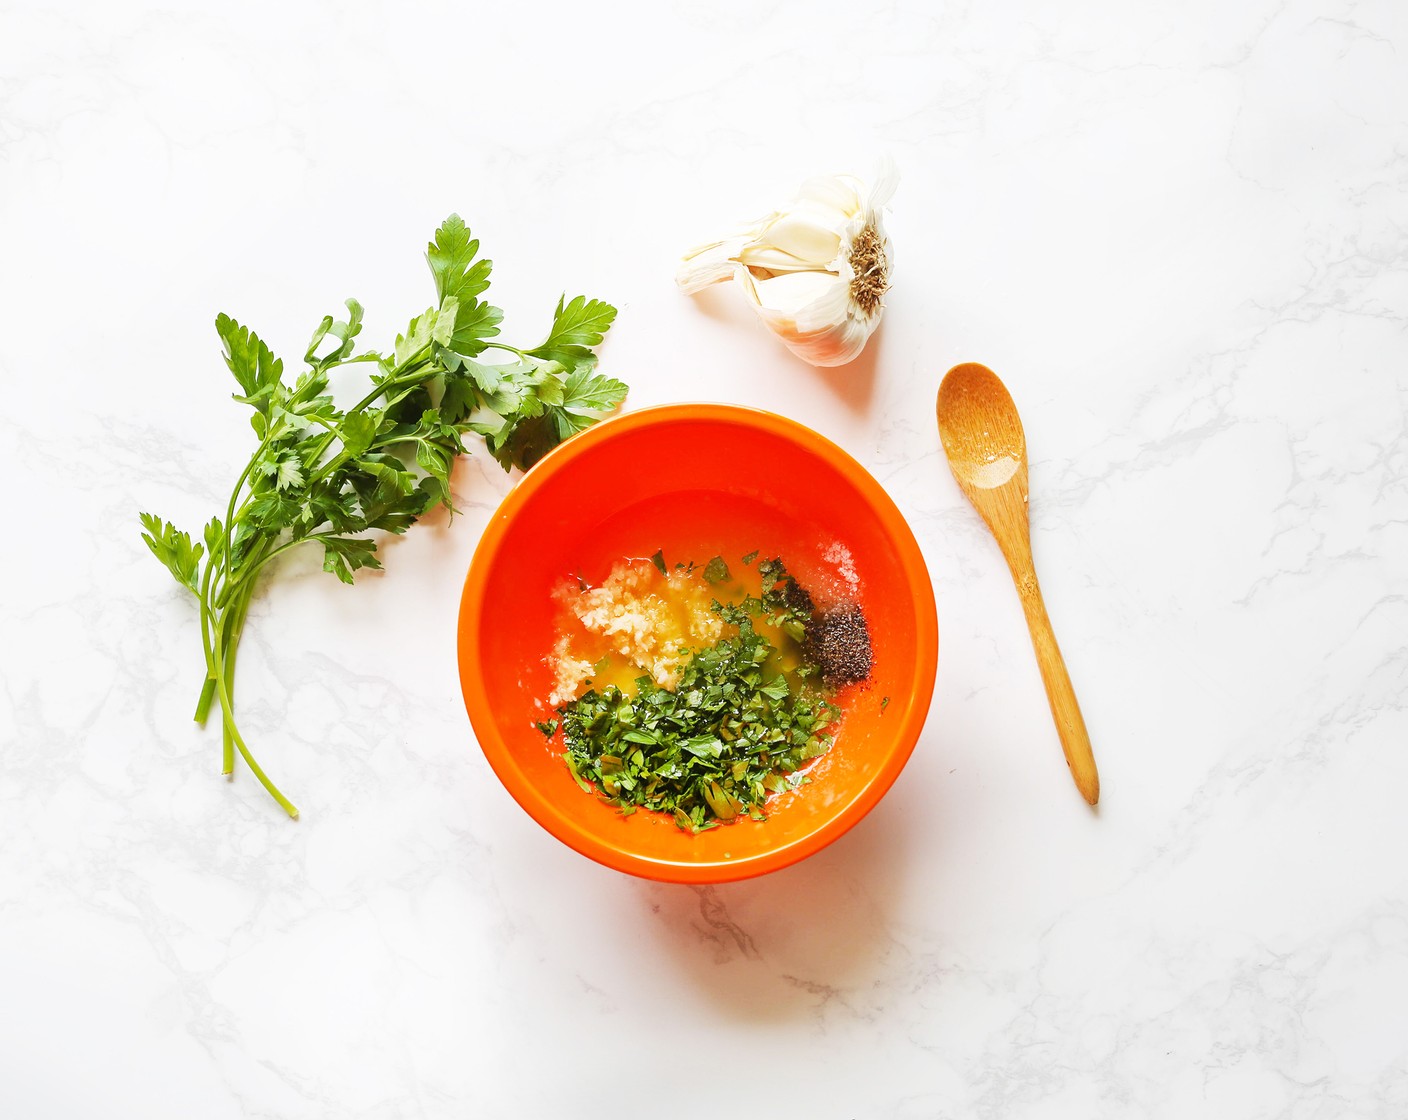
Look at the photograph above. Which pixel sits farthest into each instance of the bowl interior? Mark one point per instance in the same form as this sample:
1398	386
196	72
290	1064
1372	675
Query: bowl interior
696	481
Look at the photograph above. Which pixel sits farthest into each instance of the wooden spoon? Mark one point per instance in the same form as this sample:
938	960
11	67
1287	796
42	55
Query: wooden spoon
987	452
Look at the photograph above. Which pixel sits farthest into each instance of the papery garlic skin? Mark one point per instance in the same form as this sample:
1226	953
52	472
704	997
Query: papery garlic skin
816	272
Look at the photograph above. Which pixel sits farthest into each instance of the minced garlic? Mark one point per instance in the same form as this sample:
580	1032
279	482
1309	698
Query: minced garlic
639	621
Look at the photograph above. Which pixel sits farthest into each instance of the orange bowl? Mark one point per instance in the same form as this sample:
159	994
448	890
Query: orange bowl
697	481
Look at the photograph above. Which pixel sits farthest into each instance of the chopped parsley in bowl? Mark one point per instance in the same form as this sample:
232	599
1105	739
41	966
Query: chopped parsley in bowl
725	698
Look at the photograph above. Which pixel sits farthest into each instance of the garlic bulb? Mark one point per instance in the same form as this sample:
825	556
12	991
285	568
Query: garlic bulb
816	272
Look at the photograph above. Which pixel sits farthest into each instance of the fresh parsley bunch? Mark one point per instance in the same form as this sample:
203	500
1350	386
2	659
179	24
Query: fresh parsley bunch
328	476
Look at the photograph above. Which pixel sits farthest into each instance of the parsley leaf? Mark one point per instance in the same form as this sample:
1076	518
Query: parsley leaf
585	396
344	555
576	327
343	332
253	364
451	256
474	322
424	329
173	548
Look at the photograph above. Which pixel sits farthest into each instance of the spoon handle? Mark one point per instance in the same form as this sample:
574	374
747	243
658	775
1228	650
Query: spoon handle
1070	725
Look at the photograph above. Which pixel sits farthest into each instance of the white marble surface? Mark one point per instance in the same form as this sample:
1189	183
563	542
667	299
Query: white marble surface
1180	233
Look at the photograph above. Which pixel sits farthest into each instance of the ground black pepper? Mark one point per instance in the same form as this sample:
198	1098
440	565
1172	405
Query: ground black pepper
796	596
838	642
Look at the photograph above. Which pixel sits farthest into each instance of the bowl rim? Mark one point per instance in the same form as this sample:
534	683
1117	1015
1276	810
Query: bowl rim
908	727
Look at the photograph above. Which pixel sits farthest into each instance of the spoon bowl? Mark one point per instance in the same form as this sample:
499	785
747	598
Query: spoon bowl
981	431
987	452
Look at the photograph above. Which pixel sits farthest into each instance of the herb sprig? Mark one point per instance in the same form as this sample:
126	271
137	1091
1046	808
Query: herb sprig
326	475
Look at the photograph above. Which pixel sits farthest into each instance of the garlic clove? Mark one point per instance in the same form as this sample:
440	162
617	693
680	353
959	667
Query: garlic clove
836	346
770	259
811	241
809	312
710	263
836	193
809	300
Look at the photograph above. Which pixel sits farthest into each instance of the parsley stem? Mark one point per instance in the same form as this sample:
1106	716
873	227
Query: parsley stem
227	714
506	346
231	574
232	579
232	648
244	584
407	377
227	749
207	694
207	688
235	493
